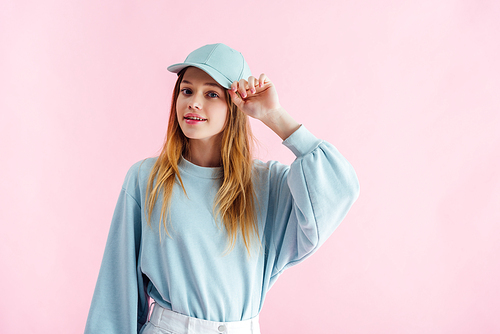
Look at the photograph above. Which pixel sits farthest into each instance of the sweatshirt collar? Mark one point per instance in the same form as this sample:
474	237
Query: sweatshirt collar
203	172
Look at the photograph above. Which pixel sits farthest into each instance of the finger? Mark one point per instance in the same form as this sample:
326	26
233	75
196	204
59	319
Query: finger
263	79
251	84
235	98
242	88
234	86
234	93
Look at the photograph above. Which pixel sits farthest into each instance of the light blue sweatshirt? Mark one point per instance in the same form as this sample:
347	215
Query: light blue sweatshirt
299	206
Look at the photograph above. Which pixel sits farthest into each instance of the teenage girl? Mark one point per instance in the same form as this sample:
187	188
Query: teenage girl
203	230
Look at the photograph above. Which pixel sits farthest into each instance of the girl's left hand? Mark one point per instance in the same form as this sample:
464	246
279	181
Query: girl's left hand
257	97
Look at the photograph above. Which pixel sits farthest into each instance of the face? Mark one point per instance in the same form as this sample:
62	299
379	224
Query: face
201	106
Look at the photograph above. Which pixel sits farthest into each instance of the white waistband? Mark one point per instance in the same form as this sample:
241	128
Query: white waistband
183	324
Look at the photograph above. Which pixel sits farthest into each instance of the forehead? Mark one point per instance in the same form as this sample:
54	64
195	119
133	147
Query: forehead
197	76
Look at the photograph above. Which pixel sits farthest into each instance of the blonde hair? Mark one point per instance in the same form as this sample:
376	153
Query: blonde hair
235	200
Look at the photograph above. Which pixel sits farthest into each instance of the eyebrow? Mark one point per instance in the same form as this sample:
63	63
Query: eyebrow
205	84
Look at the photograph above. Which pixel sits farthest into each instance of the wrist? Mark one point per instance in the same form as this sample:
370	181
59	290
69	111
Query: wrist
273	115
281	122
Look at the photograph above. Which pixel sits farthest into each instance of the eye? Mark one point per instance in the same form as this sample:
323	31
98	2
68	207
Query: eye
186	91
213	95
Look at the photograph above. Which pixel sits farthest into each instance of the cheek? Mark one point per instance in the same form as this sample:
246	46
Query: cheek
223	119
178	106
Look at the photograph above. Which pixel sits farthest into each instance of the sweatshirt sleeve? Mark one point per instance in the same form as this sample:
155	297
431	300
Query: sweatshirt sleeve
119	304
309	199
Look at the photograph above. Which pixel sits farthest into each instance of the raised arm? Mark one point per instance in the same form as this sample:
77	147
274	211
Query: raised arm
309	199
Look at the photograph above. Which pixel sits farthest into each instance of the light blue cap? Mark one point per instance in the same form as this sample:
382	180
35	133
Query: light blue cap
221	62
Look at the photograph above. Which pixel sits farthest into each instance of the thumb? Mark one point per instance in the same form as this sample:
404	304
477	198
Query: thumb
236	98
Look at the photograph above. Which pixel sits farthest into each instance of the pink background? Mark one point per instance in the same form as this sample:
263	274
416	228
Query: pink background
407	90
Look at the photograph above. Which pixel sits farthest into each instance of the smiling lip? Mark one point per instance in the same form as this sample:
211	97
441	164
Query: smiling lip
194	118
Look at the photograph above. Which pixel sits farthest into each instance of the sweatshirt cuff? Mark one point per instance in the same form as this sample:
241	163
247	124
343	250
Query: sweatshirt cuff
301	142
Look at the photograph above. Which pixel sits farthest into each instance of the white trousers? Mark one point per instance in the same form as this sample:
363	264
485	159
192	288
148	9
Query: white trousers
168	322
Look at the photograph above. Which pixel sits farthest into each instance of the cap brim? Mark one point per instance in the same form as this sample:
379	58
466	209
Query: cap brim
216	75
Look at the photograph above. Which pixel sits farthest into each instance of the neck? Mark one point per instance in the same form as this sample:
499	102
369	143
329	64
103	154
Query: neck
205	153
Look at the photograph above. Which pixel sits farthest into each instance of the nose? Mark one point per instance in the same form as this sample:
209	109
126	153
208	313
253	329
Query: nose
195	103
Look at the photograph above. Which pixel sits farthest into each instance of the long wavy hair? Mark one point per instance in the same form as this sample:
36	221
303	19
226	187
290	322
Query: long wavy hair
235	201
